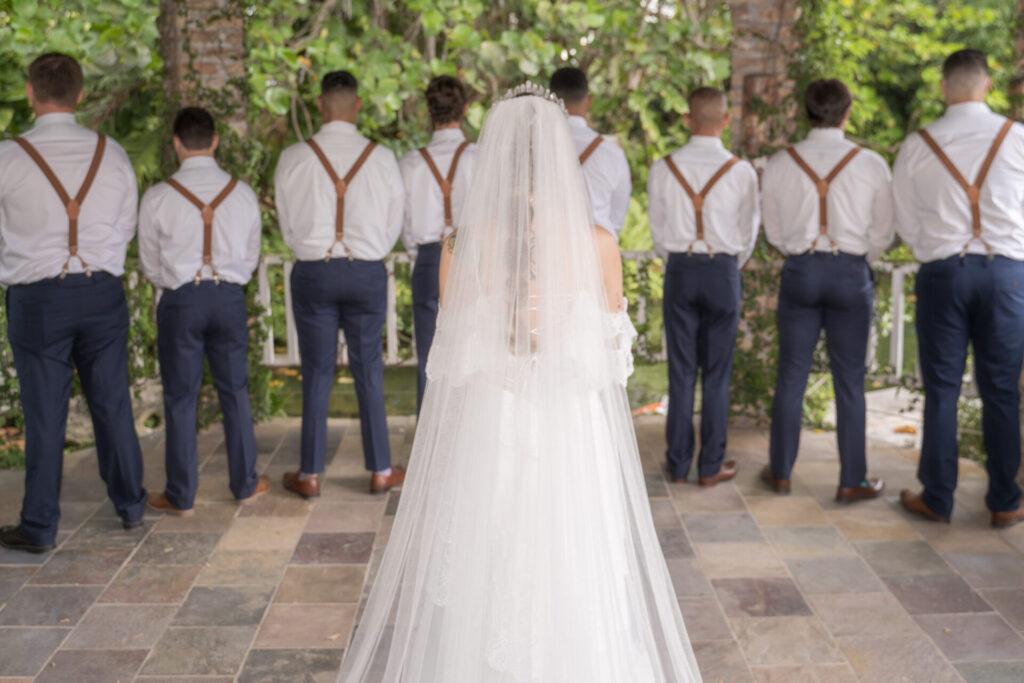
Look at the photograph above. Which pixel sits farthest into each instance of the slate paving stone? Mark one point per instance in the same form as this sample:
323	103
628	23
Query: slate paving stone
81	566
346	548
346	517
92	666
991	672
306	626
807	541
1009	602
11	579
786	511
807	673
48	605
989	570
688	498
739	560
200	651
263	533
674	543
687	578
972	637
321	584
720	661
22	559
772	641
904	659
394	497
224	606
902	558
863	614
152	584
24	651
208	517
704	619
121	627
834	575
106	533
937	593
276	666
765	597
655	485
722	528
244	567
176	548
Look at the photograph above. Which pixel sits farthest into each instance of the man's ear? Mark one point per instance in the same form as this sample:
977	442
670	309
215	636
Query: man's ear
30	93
320	104
590	101
988	84
686	122
359	104
216	141
178	147
942	85
78	100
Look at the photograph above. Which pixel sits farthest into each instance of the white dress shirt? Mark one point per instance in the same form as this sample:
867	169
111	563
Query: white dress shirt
933	212
171	228
861	218
607	174
424	202
306	201
33	221
732	213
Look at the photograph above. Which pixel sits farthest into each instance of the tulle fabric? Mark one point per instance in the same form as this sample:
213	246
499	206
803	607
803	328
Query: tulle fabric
523	548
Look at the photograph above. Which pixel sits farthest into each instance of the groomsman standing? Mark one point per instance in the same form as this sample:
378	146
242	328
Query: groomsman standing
704	215
828	209
959	202
199	241
68	202
604	164
340	201
433	203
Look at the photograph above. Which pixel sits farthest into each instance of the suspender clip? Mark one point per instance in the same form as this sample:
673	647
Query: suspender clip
835	250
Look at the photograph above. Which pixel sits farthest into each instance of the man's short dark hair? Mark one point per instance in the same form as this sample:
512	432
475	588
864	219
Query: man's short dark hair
339	83
827	101
972	61
708	107
570	84
56	78
195	127
446	100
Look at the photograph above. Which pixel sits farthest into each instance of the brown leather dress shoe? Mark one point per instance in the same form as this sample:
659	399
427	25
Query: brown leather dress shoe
12	539
1001	520
727	472
775	484
262	486
871	488
307	488
159	502
914	503
381	483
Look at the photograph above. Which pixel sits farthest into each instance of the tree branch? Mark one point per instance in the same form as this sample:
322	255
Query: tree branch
299	42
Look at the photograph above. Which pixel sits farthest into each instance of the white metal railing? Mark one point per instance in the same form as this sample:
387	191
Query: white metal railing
406	355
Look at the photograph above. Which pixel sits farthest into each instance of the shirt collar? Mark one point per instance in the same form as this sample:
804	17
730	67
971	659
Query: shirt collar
55	119
576	121
967	108
447	134
826	134
198	162
339	127
705	142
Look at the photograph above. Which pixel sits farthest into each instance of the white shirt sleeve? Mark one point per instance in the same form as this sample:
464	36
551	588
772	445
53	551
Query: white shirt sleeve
255	223
770	194
750	212
620	197
396	207
883	217
903	195
129	213
284	211
149	239
656	209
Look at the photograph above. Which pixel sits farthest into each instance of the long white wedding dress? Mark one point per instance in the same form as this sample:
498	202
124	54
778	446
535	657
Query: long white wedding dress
523	548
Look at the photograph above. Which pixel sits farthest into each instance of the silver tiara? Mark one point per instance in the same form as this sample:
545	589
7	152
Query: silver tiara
529	88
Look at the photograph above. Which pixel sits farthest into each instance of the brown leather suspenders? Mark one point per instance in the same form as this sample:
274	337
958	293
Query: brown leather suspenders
72	206
340	187
206	211
698	197
446	182
594	144
822	185
973	191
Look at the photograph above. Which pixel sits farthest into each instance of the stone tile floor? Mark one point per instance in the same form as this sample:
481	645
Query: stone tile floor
781	589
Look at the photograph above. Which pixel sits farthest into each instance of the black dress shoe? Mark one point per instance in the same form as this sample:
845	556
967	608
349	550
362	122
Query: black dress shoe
131	525
12	539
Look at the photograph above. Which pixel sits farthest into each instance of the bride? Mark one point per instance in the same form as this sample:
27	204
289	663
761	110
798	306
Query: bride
524	548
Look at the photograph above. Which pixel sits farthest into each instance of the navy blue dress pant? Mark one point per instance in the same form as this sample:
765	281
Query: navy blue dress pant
351	295
55	327
834	292
701	311
194	321
980	301
426	292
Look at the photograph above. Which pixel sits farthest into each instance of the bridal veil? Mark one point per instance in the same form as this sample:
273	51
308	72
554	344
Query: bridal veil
523	548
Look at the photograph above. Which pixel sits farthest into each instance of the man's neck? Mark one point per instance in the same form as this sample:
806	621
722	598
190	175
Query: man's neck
344	118
192	154
44	109
962	100
451	125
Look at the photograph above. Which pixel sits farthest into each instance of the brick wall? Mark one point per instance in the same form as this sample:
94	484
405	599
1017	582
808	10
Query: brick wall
204	53
763	37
